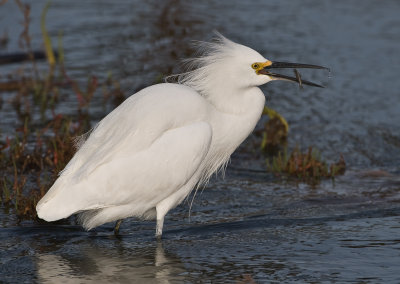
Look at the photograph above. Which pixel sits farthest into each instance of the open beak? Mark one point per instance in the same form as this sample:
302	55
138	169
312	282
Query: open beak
297	79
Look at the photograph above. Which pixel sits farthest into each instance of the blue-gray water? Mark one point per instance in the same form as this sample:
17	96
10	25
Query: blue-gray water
246	225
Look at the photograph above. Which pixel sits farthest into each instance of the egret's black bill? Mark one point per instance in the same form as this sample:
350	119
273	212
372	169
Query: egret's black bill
296	79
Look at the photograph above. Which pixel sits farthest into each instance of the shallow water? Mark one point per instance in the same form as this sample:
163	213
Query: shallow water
247	225
240	226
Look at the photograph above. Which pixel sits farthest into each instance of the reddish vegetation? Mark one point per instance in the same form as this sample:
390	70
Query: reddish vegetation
42	144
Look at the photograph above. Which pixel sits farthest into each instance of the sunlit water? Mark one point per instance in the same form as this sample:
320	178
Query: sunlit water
247	225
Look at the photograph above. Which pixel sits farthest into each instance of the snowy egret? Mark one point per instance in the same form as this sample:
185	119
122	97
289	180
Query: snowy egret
146	156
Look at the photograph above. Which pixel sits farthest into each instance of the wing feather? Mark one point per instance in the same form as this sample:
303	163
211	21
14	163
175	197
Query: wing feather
140	180
135	125
121	145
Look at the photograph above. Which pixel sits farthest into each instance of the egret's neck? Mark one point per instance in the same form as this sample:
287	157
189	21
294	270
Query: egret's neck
242	102
237	114
234	116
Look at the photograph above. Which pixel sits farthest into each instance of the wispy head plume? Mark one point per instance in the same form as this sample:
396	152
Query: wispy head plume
206	64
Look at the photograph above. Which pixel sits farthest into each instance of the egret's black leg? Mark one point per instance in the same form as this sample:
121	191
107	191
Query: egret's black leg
116	228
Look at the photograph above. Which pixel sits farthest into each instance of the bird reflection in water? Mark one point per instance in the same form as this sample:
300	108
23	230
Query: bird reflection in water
143	265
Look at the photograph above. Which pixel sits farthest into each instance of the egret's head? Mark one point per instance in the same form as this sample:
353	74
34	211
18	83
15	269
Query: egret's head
244	66
255	70
226	64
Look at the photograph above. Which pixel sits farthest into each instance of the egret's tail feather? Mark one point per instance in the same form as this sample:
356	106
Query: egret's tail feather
87	219
90	219
49	210
58	203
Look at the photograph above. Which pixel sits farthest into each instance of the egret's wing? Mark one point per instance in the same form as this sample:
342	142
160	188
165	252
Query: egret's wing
135	125
140	180
149	176
104	141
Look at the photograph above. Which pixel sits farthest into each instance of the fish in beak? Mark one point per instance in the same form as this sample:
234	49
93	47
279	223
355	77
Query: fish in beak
279	65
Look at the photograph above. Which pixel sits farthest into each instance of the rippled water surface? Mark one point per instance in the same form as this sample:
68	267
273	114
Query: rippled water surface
248	226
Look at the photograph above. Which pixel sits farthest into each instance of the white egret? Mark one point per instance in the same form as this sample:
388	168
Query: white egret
148	154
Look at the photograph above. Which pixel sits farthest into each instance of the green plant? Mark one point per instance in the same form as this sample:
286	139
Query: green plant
308	166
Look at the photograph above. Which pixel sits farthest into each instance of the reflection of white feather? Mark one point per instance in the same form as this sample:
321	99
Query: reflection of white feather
96	266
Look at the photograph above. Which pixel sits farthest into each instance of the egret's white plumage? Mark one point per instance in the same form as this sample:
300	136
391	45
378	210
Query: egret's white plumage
147	155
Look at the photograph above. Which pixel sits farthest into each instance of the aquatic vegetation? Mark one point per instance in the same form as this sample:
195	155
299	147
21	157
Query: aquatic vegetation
35	164
42	144
305	166
275	132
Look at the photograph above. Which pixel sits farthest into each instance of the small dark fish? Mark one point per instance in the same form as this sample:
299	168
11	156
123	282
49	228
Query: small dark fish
298	78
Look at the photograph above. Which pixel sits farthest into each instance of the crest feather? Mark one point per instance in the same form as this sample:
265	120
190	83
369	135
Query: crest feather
207	60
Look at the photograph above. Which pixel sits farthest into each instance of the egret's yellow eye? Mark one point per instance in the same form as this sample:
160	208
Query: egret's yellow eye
255	66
